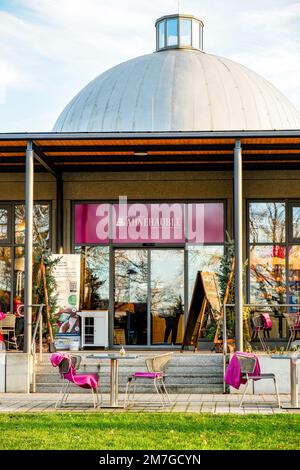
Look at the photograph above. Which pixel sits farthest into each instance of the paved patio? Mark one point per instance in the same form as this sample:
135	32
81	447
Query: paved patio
192	403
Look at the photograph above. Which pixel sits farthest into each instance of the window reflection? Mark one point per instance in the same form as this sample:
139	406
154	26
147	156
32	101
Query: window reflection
267	274
41	224
131	281
185	32
296	222
196	34
267	222
19	270
3	224
294	275
94	277
167	294
172	32
202	258
5	278
161	35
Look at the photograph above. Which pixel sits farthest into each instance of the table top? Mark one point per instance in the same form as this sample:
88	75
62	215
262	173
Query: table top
294	356
112	356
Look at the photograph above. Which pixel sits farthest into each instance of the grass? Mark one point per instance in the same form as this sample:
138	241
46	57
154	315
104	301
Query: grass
148	431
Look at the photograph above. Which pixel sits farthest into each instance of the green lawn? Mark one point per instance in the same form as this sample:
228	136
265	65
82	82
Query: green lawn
148	431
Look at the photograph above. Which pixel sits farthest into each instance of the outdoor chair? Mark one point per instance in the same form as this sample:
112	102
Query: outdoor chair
248	365
8	329
293	321
156	374
262	325
68	366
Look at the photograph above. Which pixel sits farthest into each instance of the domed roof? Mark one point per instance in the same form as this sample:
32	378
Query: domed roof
178	89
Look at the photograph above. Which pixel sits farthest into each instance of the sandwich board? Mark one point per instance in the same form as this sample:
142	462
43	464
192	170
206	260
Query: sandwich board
205	298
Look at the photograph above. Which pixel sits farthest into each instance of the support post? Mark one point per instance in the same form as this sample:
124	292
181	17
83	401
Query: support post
238	238
59	213
28	247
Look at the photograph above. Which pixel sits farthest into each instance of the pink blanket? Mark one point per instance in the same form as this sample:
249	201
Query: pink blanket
82	380
233	374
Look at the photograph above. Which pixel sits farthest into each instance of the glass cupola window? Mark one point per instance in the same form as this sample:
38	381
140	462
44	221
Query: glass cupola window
179	31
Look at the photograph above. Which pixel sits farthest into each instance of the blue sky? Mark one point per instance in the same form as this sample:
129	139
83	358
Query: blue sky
50	49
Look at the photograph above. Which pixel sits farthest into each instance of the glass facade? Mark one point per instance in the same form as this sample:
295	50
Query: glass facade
12	250
274	254
151	253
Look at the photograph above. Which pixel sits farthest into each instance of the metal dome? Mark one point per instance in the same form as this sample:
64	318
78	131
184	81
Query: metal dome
178	89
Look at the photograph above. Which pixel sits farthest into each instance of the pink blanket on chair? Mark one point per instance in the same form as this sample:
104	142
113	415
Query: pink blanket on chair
233	374
82	380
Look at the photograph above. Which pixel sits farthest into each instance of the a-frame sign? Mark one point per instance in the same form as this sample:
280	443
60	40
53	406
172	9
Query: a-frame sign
205	295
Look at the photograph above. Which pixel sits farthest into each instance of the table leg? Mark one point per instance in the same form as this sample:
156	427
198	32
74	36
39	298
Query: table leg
294	383
114	382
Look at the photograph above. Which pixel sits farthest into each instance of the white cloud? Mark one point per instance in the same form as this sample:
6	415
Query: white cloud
49	49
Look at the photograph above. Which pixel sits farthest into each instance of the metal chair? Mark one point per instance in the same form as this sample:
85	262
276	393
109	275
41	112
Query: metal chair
66	368
259	329
156	374
8	328
247	365
293	321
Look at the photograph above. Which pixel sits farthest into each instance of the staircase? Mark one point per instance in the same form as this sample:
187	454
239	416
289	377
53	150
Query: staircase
186	373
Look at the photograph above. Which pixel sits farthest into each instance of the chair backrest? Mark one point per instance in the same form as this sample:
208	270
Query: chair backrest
65	365
9	321
257	320
158	363
247	363
293	320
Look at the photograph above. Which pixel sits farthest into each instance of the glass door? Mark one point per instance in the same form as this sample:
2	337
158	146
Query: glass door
130	297
148	296
167	296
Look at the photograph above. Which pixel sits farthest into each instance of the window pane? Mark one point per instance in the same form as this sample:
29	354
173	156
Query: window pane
167	296
196	34
172	32
294	275
3	224
94	277
5	278
202	258
267	274
161	35
131	289
19	270
41	224
185	32
296	222
267	222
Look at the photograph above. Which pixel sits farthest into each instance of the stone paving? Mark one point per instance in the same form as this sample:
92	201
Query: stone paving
192	403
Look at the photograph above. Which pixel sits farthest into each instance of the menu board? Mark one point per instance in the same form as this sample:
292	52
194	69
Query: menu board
212	293
67	276
205	294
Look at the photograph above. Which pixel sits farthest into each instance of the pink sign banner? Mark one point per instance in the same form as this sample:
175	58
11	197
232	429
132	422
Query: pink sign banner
170	223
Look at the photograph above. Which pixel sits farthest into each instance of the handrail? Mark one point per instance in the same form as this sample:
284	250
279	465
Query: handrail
38	325
224	335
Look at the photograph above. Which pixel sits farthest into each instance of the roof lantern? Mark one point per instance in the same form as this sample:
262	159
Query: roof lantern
179	31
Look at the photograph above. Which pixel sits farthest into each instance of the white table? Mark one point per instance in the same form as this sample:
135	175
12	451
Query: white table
114	373
293	357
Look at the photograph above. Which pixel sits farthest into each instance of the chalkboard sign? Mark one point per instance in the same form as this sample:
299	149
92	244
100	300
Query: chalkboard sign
205	294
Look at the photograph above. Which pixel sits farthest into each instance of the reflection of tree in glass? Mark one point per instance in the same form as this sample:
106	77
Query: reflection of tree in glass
5	278
131	274
3	224
267	222
41	224
166	281
95	276
269	277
